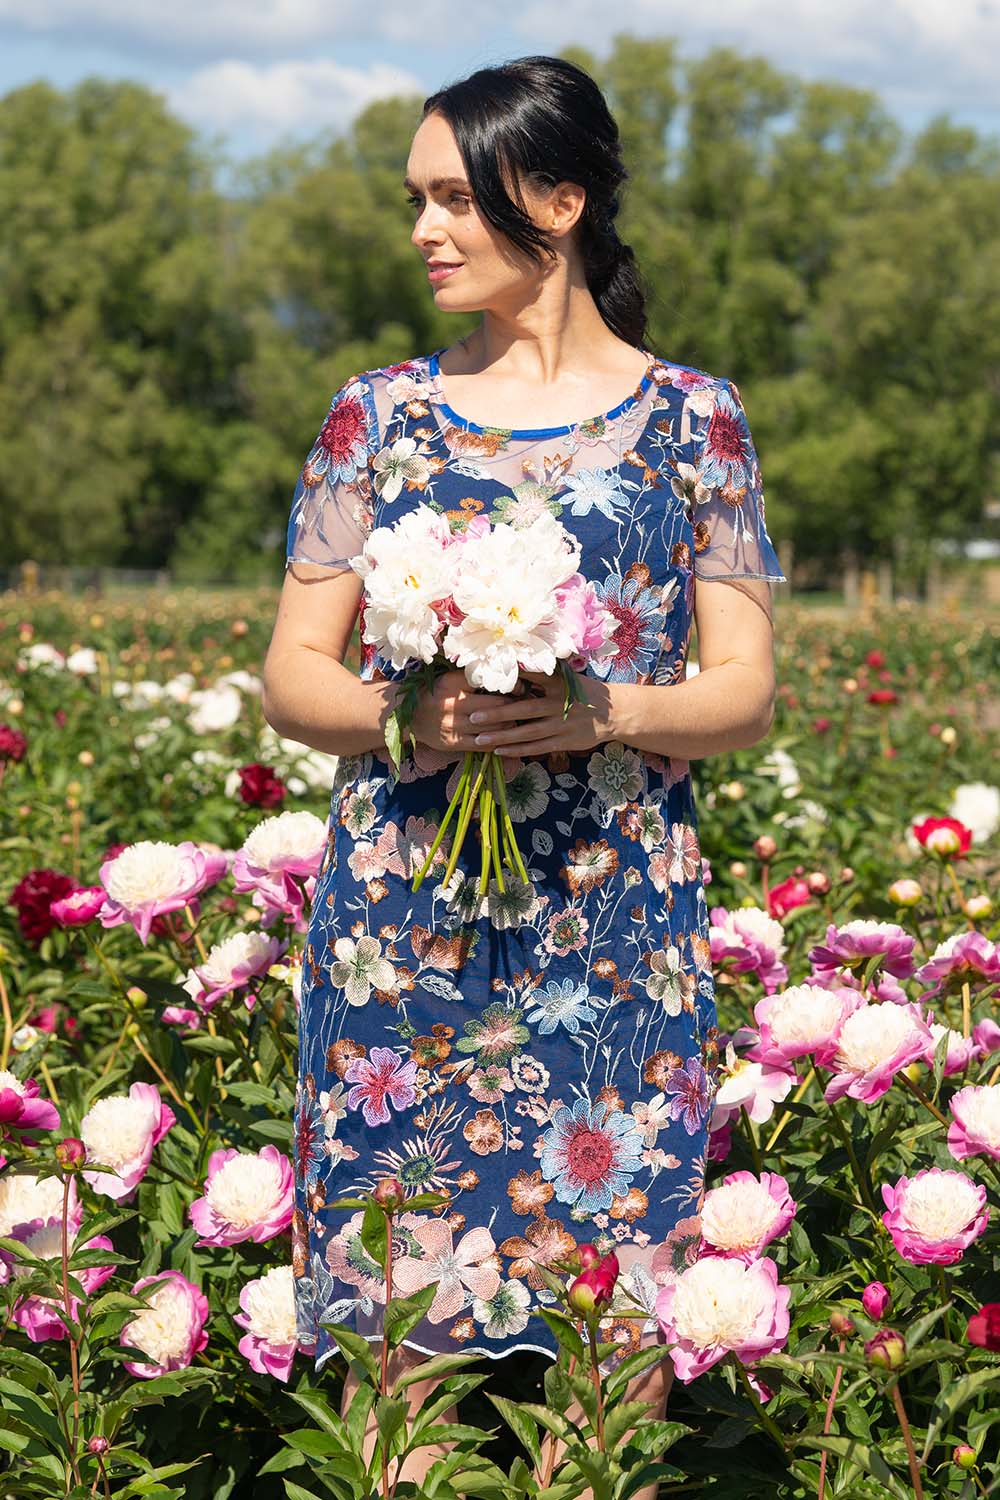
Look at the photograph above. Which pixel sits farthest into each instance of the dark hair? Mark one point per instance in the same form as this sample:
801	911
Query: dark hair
546	120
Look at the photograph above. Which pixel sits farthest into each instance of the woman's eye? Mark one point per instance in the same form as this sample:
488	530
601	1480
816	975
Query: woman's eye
414	201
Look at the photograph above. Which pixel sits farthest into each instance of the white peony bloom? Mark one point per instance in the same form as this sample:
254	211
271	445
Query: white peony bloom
802	1017
406	568
241	955
779	763
82	662
163	1329
213	709
245	1190
146	872
940	1205
116	1130
40	654
246	682
24	1197
284	839
873	1035
739	1216
717	1303
269	1304
180	687
144	694
977	805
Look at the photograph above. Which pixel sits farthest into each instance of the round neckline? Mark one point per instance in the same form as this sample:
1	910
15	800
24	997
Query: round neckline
631	400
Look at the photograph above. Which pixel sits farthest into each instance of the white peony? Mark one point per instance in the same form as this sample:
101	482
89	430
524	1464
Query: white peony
804	1016
148	871
180	687
717	1303
873	1035
116	1130
779	763
82	662
506	591
247	952
940	1205
269	1304
245	1190
406	568
739	1216
24	1197
40	654
163	1329
977	805
245	681
212	709
284	839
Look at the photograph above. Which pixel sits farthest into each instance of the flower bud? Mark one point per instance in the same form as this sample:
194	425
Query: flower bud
887	1349
71	1153
964	1456
734	790
738	870
978	906
906	892
587	1256
840	1323
846	875
949	735
765	847
98	1445
594	1288
389	1193
875	1300
850	684
818	882
137	996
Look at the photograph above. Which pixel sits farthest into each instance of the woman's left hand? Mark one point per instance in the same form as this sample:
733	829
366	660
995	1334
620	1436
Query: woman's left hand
535	725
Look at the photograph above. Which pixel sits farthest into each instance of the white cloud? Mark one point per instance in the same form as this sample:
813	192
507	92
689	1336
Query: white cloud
285	97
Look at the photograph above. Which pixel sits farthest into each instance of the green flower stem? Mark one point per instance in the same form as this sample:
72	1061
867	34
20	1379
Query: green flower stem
469	799
485	801
507	824
768	1423
459	796
864	1186
754	1144
595	1374
494	834
73	1351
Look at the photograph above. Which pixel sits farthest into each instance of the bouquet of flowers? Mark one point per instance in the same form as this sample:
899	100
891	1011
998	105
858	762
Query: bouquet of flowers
493	600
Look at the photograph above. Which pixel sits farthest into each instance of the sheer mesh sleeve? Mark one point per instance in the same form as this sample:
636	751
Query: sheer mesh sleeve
731	539
331	512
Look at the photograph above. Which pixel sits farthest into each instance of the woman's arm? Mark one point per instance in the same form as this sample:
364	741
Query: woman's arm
727	705
308	694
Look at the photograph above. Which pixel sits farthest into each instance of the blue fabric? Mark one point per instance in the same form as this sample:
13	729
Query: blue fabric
548	1059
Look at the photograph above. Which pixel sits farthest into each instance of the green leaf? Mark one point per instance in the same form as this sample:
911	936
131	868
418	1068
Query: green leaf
315	1404
433	1369
623	1417
404	1313
354	1347
315	1444
867	1457
632	1365
954	1397
285	1458
565	1331
373	1233
390	1417
521	1423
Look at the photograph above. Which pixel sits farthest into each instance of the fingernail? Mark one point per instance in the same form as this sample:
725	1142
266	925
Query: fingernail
476	718
483	739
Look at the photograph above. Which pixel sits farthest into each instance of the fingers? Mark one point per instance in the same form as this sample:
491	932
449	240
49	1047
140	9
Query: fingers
529	732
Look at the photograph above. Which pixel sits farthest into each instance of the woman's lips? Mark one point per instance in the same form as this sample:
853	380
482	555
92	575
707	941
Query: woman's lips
441	273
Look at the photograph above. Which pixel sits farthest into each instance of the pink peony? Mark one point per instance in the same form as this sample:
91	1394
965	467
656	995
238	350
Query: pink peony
934	1216
719	1307
745	1213
20	1106
749	941
120	1132
802	1019
276	859
79	907
975	1122
961	1049
857	943
247	1197
171	1329
965	957
267	1311
152	878
589	625
875	1042
791	893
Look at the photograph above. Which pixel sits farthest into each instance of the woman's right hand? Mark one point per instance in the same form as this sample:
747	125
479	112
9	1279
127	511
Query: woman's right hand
441	718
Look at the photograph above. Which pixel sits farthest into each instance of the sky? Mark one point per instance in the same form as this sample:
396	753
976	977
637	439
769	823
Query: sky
249	74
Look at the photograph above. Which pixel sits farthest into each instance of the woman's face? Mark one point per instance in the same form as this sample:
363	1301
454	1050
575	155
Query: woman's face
449	227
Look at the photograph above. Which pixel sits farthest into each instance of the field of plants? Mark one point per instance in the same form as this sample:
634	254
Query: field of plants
833	1314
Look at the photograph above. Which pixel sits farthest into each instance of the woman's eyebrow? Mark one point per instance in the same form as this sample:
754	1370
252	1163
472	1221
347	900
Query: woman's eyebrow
437	183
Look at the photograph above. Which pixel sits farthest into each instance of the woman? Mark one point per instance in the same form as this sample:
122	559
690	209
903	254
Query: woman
545	1054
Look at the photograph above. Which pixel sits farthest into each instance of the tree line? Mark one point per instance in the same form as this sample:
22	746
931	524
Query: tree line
173	324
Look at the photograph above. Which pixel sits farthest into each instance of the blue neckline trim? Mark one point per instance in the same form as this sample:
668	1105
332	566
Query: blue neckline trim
543	432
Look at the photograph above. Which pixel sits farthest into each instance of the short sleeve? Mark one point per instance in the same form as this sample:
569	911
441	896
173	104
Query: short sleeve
331	514
730	531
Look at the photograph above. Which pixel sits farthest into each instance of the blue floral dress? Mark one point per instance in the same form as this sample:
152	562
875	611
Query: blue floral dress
545	1054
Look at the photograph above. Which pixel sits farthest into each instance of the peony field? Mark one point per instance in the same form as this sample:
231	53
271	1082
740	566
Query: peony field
832	1312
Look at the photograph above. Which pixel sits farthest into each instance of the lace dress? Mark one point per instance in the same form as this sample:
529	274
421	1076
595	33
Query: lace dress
546	1054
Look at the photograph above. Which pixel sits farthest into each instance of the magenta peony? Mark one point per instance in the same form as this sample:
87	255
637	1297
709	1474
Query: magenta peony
79	907
20	1106
975	1122
965	957
857	943
749	941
